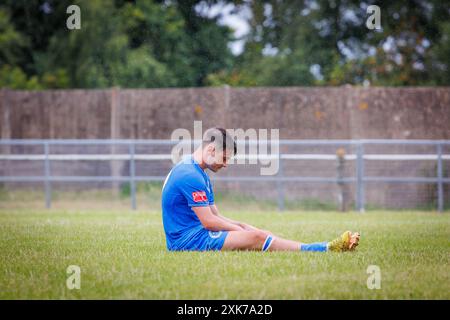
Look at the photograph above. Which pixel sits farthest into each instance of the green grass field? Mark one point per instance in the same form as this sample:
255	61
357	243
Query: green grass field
122	255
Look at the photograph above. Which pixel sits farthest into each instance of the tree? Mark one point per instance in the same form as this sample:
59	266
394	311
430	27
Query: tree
326	42
160	43
120	43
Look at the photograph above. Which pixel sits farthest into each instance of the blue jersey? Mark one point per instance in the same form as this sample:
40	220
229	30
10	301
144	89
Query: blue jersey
186	186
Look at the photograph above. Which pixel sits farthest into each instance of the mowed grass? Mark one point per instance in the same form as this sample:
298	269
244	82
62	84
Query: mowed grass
122	255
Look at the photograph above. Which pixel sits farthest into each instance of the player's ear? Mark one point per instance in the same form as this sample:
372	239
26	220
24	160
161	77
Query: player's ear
212	149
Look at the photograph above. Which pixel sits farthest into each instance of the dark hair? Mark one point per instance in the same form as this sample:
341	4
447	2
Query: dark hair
220	134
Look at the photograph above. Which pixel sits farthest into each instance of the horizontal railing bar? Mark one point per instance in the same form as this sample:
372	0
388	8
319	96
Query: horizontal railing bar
400	141
405	180
95	157
77	178
170	142
63	179
404	157
261	178
286	179
108	157
84	142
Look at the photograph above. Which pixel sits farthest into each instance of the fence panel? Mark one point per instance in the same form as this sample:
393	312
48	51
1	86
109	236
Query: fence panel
384	173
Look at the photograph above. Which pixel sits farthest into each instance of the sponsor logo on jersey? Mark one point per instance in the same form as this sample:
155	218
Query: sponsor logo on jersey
199	196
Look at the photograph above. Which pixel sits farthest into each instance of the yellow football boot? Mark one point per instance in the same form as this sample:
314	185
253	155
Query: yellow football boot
348	241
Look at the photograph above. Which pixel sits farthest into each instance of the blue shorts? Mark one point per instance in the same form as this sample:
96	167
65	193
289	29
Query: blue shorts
203	240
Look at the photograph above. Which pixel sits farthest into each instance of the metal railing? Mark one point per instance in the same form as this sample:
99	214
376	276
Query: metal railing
359	179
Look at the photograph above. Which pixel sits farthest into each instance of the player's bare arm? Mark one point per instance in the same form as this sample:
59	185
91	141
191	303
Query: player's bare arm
212	222
245	226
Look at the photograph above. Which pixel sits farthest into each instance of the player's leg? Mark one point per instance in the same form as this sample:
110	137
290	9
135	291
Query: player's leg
280	244
244	240
258	240
261	240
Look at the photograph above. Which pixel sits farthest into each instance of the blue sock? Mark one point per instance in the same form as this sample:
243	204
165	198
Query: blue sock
317	246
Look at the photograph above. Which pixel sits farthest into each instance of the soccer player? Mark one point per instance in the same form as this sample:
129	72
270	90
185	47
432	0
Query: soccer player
192	221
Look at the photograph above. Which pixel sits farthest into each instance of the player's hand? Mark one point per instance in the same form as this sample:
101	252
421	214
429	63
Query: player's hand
247	227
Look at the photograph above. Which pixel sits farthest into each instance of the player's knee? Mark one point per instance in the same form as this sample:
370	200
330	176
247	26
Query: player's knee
259	237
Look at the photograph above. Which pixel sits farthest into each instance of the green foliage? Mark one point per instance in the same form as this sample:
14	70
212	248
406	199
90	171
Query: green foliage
234	78
11	42
412	48
152	43
15	78
439	56
127	44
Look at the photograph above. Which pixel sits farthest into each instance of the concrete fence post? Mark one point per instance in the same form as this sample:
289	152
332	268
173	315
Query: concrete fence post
48	188
360	178
115	165
440	183
340	155
132	176
5	126
280	185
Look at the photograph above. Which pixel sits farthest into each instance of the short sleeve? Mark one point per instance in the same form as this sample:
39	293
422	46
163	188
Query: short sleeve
195	191
210	194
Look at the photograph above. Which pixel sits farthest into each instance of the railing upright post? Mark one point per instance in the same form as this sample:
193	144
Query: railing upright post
280	187
132	177
340	168
360	178
440	184
48	188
